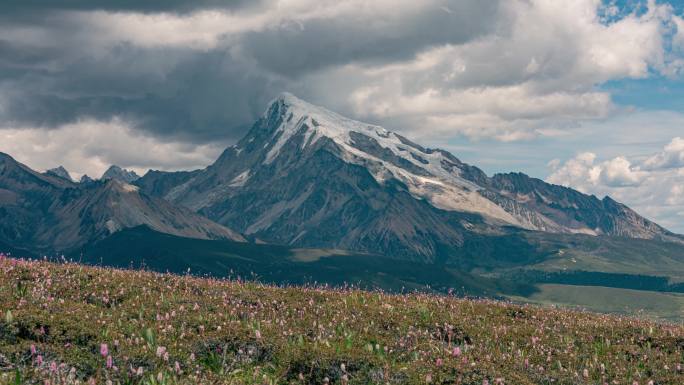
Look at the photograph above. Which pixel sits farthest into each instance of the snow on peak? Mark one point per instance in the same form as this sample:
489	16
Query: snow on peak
429	174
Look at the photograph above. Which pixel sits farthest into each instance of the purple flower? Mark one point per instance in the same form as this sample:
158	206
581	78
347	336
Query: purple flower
104	350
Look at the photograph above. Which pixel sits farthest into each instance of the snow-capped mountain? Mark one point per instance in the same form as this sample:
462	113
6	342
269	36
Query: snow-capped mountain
120	174
308	177
49	213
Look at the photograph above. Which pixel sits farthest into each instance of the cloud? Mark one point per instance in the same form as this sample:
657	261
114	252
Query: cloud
672	156
200	72
90	147
653	187
538	70
176	6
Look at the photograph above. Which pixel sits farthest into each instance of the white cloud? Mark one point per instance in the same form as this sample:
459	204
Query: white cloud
536	73
654	187
618	172
672	156
678	40
90	147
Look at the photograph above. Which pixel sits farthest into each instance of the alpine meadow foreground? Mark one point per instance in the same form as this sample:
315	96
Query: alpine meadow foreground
73	324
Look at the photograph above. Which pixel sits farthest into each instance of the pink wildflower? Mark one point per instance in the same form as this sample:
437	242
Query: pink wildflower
104	350
456	352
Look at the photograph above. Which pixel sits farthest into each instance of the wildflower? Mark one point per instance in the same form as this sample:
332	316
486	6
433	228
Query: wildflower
33	349
139	372
39	360
485	382
104	350
160	351
439	362
456	352
177	367
109	362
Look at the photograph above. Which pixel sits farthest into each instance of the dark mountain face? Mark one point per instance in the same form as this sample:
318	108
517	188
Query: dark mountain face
47	213
306	177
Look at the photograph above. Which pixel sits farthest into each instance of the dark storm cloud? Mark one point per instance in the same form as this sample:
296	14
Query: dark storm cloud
56	69
298	49
193	96
25	7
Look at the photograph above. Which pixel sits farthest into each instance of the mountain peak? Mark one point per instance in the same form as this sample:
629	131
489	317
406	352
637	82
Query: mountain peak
288	98
121	174
60	172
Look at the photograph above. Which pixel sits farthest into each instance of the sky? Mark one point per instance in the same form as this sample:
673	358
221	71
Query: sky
583	93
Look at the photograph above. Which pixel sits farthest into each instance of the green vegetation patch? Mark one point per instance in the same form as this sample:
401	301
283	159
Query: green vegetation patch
73	324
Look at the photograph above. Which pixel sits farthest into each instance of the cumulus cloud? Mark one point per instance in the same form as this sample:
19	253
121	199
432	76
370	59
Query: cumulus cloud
654	186
90	147
539	69
672	156
199	72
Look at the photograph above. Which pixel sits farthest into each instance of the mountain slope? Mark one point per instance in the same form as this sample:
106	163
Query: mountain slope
46	213
307	177
281	265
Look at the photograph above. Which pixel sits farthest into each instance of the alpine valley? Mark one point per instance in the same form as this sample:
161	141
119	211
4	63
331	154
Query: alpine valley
311	196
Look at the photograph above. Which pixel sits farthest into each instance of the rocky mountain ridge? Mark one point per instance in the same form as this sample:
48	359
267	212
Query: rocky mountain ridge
48	213
307	177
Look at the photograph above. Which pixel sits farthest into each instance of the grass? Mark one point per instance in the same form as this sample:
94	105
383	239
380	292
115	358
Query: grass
610	255
69	324
657	305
